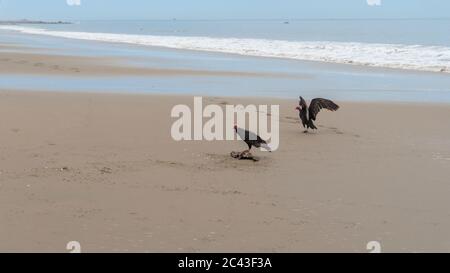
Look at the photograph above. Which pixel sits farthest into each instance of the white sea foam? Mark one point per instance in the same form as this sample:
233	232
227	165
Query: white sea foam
414	57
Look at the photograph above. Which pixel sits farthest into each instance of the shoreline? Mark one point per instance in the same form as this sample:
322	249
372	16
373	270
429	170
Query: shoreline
28	67
358	63
356	67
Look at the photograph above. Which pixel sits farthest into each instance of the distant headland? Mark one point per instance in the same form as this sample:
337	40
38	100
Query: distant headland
34	22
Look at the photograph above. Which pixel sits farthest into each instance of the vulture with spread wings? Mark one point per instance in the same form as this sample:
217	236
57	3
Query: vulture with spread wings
309	114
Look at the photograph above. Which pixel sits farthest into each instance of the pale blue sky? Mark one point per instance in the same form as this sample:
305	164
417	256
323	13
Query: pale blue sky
221	9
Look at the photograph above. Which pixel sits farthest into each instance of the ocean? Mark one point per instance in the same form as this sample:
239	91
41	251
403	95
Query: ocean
391	60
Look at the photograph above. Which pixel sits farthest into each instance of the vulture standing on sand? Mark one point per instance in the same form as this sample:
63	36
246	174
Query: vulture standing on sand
251	139
309	114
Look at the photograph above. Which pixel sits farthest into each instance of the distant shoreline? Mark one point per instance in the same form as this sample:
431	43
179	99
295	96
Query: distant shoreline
16	22
406	56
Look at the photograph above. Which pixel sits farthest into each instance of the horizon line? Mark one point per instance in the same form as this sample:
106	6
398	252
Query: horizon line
239	19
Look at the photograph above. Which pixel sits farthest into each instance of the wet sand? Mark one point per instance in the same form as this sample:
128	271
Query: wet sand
29	61
102	169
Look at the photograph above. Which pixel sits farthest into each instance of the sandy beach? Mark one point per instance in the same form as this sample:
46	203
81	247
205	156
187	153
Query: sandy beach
102	169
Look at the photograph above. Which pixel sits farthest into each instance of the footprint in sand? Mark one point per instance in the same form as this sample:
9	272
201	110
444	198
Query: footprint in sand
339	132
38	64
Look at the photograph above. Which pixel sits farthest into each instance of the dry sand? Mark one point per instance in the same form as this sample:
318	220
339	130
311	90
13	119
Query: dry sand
103	170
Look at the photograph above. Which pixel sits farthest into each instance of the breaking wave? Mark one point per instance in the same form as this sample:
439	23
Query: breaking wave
398	56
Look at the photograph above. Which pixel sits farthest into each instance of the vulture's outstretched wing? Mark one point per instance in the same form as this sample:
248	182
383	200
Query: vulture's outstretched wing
319	104
302	103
